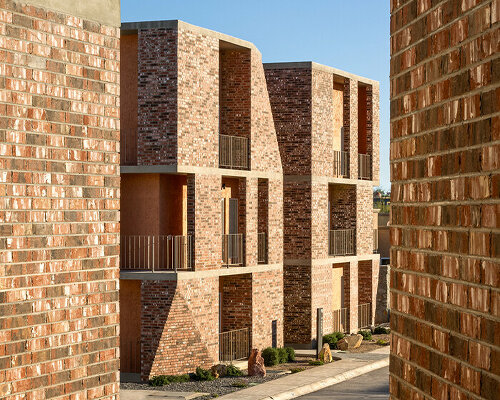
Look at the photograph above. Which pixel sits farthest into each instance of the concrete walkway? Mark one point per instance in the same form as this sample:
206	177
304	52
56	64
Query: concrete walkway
312	380
158	395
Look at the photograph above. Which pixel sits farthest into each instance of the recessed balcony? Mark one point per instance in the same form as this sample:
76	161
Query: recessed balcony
233	152
341	242
341	164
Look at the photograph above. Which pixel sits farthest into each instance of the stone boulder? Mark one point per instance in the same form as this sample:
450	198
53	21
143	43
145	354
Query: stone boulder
219	370
256	365
325	355
350	342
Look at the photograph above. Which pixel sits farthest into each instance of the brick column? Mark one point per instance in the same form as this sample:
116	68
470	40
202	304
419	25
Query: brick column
351	124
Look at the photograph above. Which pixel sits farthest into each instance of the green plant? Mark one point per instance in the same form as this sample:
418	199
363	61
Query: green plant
282	355
382	342
162	380
291	353
367	335
295	370
316	362
380	330
332	339
203	374
231	370
270	356
240	384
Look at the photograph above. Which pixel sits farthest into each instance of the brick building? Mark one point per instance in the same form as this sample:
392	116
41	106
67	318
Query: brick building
327	123
201	211
445	228
59	199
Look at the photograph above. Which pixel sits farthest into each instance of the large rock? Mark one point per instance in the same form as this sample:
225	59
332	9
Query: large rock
256	365
219	370
325	354
350	342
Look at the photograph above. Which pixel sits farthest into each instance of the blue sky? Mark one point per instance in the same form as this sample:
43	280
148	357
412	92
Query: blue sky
349	35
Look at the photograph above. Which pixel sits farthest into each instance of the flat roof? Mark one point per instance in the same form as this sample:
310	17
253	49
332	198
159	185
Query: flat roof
178	24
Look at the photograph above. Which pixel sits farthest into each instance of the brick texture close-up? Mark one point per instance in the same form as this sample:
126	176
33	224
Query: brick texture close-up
59	200
445	170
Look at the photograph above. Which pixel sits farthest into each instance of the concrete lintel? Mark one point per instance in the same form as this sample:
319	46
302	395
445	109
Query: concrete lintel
327	179
106	12
179	169
320	67
332	260
187	275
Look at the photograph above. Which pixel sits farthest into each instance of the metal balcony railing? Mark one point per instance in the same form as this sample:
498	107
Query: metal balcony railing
341	164
262	248
341	242
364	315
234	345
364	166
232	249
233	152
375	241
340	320
156	252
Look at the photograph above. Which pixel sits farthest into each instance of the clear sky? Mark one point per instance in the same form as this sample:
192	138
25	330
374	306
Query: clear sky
351	35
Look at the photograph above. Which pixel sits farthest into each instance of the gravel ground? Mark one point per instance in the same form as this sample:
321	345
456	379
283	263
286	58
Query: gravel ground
218	387
370	345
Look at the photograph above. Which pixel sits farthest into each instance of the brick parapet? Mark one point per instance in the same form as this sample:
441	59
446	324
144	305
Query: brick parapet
444	124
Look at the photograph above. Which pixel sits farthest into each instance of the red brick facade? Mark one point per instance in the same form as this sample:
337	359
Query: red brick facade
445	296
59	200
205	85
311	105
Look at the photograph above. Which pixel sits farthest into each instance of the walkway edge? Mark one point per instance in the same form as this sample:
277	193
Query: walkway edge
321	384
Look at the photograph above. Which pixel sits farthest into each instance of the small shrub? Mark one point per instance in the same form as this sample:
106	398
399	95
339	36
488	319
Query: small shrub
380	330
367	335
382	342
282	355
332	339
270	356
316	362
295	370
291	353
203	374
233	371
162	380
240	384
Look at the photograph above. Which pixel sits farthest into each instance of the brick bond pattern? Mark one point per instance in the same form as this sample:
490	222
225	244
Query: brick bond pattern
445	296
59	188
187	81
308	113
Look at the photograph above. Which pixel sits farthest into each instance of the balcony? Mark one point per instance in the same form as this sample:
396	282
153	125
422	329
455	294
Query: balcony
341	242
340	320
232	250
364	166
233	152
234	345
364	315
262	248
341	164
156	253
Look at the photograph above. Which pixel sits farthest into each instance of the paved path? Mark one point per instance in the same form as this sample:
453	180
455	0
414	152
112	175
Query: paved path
371	386
315	379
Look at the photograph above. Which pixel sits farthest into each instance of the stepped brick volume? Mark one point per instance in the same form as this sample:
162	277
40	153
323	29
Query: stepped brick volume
445	228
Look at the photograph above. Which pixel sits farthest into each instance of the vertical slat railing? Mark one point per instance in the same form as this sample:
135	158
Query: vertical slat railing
364	315
233	152
262	248
364	166
341	242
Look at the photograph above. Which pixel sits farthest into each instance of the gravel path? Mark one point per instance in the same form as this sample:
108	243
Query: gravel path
216	388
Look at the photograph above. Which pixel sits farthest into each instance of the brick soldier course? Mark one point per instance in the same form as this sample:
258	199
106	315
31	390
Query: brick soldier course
319	114
59	199
445	288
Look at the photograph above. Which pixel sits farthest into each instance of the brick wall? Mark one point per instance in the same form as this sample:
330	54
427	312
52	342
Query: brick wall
297	303
267	303
59	188
236	292
445	296
179	326
157	92
290	97
364	219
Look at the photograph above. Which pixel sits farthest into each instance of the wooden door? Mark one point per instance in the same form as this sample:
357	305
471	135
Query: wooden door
130	326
